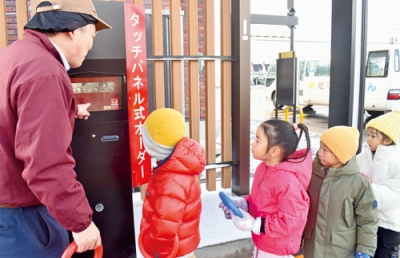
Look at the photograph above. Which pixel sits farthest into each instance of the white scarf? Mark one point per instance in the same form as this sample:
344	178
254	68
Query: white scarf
154	149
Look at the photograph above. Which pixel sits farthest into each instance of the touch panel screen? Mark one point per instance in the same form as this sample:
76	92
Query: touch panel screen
104	93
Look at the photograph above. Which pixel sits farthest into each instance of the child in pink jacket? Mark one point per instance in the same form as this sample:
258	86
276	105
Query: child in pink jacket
276	209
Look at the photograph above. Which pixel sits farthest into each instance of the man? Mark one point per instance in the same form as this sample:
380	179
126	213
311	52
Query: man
40	197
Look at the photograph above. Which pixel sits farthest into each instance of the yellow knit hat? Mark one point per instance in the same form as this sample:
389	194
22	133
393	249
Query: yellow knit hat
342	141
389	124
166	126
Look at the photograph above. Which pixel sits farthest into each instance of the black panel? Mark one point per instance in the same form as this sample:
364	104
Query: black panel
109	44
101	150
100	144
286	81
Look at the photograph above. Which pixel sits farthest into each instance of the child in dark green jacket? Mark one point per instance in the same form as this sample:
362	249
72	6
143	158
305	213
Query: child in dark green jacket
343	218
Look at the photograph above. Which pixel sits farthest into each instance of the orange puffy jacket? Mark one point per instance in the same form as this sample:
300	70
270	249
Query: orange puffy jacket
170	225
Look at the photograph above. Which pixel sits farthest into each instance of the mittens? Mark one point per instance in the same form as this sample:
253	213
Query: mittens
240	203
362	255
246	223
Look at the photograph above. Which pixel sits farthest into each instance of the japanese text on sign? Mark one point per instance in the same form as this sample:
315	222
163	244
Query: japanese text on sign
137	87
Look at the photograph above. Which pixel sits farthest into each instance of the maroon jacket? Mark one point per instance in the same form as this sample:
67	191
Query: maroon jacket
37	116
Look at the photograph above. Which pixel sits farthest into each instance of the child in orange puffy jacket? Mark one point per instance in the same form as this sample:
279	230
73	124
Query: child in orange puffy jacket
170	225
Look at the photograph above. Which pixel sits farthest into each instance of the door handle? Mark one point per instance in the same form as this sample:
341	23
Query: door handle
110	138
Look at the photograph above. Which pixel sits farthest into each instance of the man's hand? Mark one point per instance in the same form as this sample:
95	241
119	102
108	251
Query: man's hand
88	239
83	113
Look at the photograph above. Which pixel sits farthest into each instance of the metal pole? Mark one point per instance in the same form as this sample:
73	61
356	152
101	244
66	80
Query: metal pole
240	97
363	47
292	12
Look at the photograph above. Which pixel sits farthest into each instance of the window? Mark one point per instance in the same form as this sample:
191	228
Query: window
396	60
318	69
272	71
377	63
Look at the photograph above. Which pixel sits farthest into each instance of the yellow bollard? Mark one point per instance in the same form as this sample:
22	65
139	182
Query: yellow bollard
299	254
287	113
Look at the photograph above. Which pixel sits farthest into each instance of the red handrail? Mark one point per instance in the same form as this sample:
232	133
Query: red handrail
71	249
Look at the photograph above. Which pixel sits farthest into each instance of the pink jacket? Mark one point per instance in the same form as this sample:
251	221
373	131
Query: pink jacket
279	194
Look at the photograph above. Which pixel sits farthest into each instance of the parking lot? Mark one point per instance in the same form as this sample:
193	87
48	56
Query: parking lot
263	109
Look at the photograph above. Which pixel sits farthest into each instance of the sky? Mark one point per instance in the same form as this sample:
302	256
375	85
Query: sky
314	29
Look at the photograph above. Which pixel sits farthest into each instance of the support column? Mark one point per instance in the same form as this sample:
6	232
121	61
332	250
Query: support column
241	97
348	50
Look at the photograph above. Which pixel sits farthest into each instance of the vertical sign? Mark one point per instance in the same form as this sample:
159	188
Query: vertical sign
137	86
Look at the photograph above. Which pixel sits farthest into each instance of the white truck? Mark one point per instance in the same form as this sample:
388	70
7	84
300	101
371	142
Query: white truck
382	82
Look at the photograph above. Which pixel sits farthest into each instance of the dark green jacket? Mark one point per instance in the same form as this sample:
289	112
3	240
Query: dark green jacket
343	217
